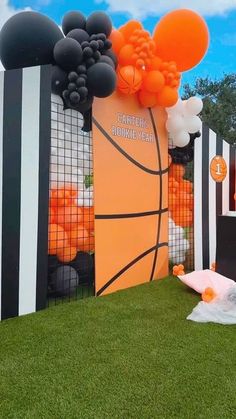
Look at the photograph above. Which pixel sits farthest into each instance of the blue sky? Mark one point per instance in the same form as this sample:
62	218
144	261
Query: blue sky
219	14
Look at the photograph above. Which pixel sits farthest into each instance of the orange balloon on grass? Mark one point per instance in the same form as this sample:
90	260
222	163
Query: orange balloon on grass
129	79
182	36
154	81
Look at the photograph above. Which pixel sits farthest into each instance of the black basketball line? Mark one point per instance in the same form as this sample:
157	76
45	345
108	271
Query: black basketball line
133	262
130	215
135	162
161	189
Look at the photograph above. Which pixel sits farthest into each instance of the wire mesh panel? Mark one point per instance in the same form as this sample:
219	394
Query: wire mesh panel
181	217
71	214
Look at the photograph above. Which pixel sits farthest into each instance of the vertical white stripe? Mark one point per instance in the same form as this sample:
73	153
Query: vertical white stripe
225	184
1	168
198	203
29	189
212	201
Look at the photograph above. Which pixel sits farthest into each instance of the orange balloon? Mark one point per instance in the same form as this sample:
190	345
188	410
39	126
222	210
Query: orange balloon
57	238
177	171
128	29
208	295
147	99
125	55
67	254
87	219
129	79
167	97
90	245
154	81
182	36
52	215
78	237
118	41
67	217
155	64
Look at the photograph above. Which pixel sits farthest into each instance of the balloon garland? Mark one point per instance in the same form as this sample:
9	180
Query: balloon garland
151	66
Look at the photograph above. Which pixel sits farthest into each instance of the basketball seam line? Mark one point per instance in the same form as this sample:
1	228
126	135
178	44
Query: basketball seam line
135	162
133	262
160	201
130	215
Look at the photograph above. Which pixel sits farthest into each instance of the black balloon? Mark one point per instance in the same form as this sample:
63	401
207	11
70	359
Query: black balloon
68	53
107	60
87	127
99	22
80	82
81	69
73	76
84	107
84	265
74	98
87	52
27	39
111	55
94	45
101	80
73	20
59	80
79	35
184	155
90	61
64	280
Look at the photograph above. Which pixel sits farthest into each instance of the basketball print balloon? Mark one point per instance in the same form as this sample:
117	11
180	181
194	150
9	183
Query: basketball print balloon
130	193
218	169
129	79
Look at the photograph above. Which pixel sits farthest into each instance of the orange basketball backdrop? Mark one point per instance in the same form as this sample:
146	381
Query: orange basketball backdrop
130	193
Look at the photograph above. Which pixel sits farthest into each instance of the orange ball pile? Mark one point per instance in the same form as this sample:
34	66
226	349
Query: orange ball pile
180	197
71	228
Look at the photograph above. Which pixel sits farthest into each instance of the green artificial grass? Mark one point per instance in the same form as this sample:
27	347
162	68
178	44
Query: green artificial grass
132	354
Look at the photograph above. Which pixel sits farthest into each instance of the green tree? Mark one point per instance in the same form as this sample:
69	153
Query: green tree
219	98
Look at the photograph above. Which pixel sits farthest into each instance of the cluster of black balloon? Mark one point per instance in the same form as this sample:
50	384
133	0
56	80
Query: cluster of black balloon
85	63
184	155
64	279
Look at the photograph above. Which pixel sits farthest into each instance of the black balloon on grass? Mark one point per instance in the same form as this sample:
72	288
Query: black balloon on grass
73	20
79	35
68	53
59	80
99	22
27	39
101	80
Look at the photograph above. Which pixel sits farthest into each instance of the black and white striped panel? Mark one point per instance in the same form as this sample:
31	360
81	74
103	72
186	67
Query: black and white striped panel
210	198
24	174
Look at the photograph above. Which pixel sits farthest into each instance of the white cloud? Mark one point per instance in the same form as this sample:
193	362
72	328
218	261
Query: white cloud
6	12
143	8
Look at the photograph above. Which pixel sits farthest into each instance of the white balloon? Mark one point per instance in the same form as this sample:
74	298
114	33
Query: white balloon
193	124
175	123
177	109
181	138
193	106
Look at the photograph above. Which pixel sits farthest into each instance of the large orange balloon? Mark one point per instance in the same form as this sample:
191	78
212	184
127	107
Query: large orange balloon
118	41
78	236
67	217
182	36
57	239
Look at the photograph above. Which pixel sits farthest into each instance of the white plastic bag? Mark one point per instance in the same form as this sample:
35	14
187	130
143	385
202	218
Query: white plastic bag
221	310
